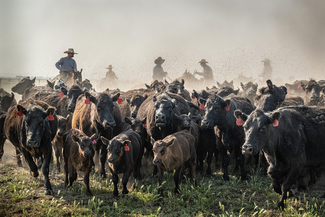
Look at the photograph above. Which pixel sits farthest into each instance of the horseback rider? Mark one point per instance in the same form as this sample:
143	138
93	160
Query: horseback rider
67	64
267	70
110	75
207	71
158	71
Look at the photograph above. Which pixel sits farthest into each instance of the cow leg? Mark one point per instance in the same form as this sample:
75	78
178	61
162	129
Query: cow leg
30	162
193	171
115	181
225	163
155	170
177	177
57	155
66	171
2	142
46	170
200	156
86	181
160	179
125	179
103	158
257	158
209	160
276	186
241	159
18	153
71	173
288	182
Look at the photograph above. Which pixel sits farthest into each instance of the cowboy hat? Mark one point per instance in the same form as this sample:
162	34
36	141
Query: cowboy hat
203	61
70	50
266	60
159	59
109	67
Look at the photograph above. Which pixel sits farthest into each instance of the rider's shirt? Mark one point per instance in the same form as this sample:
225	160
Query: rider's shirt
66	64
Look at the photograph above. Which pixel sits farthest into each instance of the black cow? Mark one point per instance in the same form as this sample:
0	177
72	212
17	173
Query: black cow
292	138
270	97
135	103
7	101
28	128
249	90
219	112
73	94
312	90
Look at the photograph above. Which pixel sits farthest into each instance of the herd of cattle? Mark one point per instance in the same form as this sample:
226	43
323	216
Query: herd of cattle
284	126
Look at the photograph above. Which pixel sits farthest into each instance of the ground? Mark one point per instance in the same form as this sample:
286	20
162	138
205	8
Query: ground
22	195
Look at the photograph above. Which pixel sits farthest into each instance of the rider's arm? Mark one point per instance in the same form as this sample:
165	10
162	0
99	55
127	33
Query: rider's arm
74	65
58	64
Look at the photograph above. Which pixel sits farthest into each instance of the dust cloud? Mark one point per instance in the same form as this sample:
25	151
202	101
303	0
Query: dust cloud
234	36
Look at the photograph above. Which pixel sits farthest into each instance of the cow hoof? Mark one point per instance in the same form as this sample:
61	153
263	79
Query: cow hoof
49	192
280	205
34	174
125	191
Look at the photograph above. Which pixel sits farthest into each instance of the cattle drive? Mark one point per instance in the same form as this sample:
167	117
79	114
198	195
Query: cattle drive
189	130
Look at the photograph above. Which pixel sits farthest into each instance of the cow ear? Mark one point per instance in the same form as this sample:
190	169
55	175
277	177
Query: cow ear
128	100
68	118
51	85
91	97
284	89
147	86
93	137
152	140
236	92
75	138
22	109
227	104
174	102
144	120
128	120
242	85
12	96
64	90
49	113
274	118
126	142
269	84
303	86
104	140
195	94
145	96
218	84
238	113
166	82
183	82
207	88
33	81
170	142
115	98
231	82
154	99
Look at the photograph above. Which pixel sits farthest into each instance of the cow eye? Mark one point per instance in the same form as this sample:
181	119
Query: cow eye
162	152
262	128
82	145
118	151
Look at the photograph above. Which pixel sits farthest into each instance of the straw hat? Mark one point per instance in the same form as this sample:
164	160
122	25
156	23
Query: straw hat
70	50
159	60
109	67
203	61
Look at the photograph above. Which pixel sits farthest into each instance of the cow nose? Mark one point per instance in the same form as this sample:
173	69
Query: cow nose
186	124
205	123
87	154
32	143
134	114
156	161
60	133
247	149
111	160
160	117
71	108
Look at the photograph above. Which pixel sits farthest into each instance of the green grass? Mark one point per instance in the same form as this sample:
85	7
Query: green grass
22	195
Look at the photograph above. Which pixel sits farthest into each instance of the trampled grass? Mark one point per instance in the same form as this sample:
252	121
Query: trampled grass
22	195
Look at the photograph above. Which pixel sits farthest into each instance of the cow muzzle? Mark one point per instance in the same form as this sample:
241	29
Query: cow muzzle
109	124
111	160
87	154
156	161
247	149
33	143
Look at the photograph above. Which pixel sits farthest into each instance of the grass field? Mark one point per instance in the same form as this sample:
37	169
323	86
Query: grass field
22	195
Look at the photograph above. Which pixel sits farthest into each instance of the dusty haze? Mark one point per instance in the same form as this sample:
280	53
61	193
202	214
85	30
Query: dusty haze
234	36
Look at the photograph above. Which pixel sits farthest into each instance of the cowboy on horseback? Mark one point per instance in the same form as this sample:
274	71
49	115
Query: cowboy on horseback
67	65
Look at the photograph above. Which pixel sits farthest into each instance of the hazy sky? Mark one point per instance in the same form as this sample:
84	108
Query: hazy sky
233	35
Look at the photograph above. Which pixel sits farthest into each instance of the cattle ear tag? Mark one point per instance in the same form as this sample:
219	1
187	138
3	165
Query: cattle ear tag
50	117
299	87
61	94
144	124
275	123
94	142
47	85
240	121
126	147
120	100
19	113
87	101
202	106
227	108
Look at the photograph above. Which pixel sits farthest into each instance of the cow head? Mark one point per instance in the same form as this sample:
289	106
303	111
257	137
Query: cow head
312	90
137	125
115	148
73	94
105	108
258	128
184	122
77	76
226	84
6	101
270	97
50	84
249	90
215	111
34	123
62	125
23	85
160	149
135	103
84	142
164	107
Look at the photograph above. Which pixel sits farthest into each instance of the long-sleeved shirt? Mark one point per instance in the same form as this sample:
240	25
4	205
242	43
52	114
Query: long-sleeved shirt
158	73
66	64
207	73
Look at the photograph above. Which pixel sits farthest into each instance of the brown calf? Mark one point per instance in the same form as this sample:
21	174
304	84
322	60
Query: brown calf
172	153
78	155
